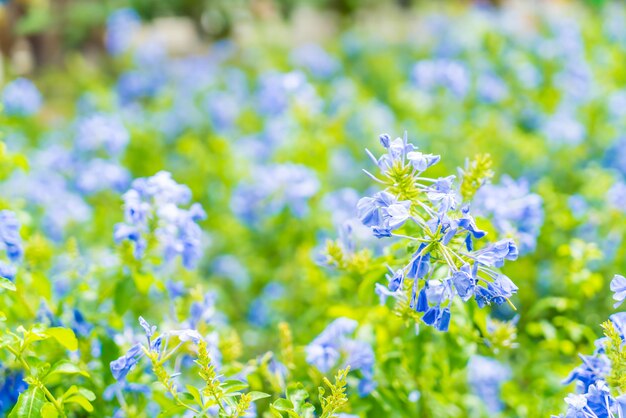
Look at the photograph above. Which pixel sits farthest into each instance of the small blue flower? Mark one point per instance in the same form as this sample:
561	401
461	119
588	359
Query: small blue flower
101	132
10	238
485	377
618	286
12	384
495	254
123	365
464	282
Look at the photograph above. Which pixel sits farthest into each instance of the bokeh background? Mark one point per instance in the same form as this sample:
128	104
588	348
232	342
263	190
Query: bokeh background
264	110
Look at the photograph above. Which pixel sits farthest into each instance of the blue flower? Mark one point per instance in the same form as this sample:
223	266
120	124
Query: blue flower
121	26
383	213
316	60
464	282
11	385
275	188
618	286
592	369
441	191
158	197
421	162
430	75
123	365
101	132
495	254
513	210
485	377
20	97
10	238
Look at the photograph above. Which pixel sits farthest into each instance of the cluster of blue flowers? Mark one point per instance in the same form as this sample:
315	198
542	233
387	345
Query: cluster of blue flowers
594	397
334	346
152	206
445	263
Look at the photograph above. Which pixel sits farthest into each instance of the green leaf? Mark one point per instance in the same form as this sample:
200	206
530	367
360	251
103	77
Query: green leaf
283	404
195	393
64	336
231	386
7	284
81	400
49	411
254	395
66	367
29	404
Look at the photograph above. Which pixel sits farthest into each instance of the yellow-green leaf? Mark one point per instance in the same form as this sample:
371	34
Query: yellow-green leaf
64	336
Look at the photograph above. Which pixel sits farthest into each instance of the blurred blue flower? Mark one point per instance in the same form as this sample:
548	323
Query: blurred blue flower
11	386
485	377
101	132
121	27
20	97
316	60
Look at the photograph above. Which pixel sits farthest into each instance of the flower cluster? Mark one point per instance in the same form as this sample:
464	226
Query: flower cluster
334	344
445	263
602	373
152	208
124	364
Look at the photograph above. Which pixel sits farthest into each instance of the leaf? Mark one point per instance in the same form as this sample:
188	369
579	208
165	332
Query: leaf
283	404
49	411
66	367
81	400
29	404
7	284
231	386
64	336
254	395
195	393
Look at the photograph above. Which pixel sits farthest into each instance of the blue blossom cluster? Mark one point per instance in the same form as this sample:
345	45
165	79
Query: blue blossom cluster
11	243
335	346
445	264
11	385
21	97
275	188
514	210
594	397
152	206
124	364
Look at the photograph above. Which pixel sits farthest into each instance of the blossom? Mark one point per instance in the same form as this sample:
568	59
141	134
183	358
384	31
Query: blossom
124	364
495	254
159	197
10	238
121	26
618	286
275	188
20	97
485	376
101	132
513	209
325	351
430	75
